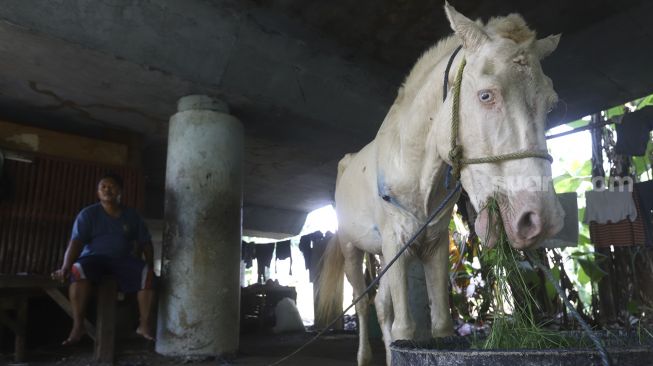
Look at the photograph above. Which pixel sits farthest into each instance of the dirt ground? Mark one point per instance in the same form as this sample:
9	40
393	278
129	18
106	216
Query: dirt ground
255	350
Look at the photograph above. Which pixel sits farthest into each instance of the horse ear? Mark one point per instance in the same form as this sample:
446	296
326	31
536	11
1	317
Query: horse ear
543	47
471	33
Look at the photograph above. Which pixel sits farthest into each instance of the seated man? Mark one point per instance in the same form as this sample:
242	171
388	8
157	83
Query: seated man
102	243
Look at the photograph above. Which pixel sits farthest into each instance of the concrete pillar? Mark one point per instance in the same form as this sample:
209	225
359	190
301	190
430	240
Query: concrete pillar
199	300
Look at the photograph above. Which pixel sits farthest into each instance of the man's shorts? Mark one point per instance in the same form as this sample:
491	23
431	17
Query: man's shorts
131	273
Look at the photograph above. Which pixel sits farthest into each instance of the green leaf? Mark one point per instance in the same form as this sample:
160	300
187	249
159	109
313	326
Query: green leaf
570	184
584	239
579	254
583	278
593	271
585	170
633	307
577	123
646	101
574	167
614	111
561	177
550	290
640	163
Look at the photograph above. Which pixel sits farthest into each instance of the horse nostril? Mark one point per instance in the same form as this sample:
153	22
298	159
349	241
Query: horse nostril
529	225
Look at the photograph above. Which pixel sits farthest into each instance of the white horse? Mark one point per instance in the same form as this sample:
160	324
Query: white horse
386	191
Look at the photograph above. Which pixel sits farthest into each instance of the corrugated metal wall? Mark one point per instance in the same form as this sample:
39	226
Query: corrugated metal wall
44	198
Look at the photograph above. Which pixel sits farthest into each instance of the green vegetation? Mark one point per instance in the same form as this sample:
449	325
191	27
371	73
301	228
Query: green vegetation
515	324
498	287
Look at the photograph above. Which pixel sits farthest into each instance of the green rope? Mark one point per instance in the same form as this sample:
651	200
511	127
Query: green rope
511	156
456	152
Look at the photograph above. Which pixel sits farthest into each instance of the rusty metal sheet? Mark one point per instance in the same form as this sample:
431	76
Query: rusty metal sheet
46	195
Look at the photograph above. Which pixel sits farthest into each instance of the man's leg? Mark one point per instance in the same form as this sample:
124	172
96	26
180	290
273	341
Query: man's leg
78	293
135	276
145	298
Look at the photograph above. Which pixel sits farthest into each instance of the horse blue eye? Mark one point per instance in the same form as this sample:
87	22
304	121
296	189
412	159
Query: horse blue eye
485	96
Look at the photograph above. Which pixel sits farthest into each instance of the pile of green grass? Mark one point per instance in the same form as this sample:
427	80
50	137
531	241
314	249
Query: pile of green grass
514	324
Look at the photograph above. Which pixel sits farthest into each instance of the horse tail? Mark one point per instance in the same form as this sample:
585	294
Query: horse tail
329	294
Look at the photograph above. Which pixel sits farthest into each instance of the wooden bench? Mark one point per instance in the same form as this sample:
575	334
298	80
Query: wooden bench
15	291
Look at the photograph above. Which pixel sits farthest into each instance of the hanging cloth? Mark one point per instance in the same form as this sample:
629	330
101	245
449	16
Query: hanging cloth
621	233
606	206
283	252
305	248
633	133
644	192
263	259
248	253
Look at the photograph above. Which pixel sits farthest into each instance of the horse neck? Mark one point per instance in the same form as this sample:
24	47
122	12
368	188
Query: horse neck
416	121
420	136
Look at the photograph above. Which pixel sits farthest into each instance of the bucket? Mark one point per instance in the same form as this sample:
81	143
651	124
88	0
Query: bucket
624	348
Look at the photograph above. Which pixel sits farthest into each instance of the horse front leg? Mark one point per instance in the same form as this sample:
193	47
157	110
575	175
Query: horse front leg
354	272
384	312
436	270
403	326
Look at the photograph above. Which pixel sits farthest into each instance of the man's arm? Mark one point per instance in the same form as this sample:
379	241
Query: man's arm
72	253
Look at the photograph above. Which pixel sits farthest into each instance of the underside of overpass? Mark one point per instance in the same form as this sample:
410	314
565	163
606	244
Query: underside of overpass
309	80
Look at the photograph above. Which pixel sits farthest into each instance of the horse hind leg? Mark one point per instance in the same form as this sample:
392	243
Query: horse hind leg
384	312
354	272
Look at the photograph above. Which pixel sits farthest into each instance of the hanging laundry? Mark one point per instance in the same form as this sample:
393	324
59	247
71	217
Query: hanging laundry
644	192
283	252
622	233
306	245
633	133
606	206
248	253
568	235
264	259
305	248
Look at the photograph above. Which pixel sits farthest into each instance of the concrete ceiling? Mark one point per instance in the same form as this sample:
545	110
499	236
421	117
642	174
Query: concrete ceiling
310	80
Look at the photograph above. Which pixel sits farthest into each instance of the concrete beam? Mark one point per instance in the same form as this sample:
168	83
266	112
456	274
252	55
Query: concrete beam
272	222
246	52
604	65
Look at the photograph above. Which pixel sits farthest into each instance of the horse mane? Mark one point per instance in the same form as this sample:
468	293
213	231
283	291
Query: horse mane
424	66
512	27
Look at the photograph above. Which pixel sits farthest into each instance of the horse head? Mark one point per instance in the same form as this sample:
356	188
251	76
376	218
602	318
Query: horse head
504	99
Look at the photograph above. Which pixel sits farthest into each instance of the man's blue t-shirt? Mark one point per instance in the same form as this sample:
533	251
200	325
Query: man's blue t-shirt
106	235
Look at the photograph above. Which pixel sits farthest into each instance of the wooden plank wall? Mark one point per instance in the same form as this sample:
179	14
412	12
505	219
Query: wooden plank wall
18	137
44	198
